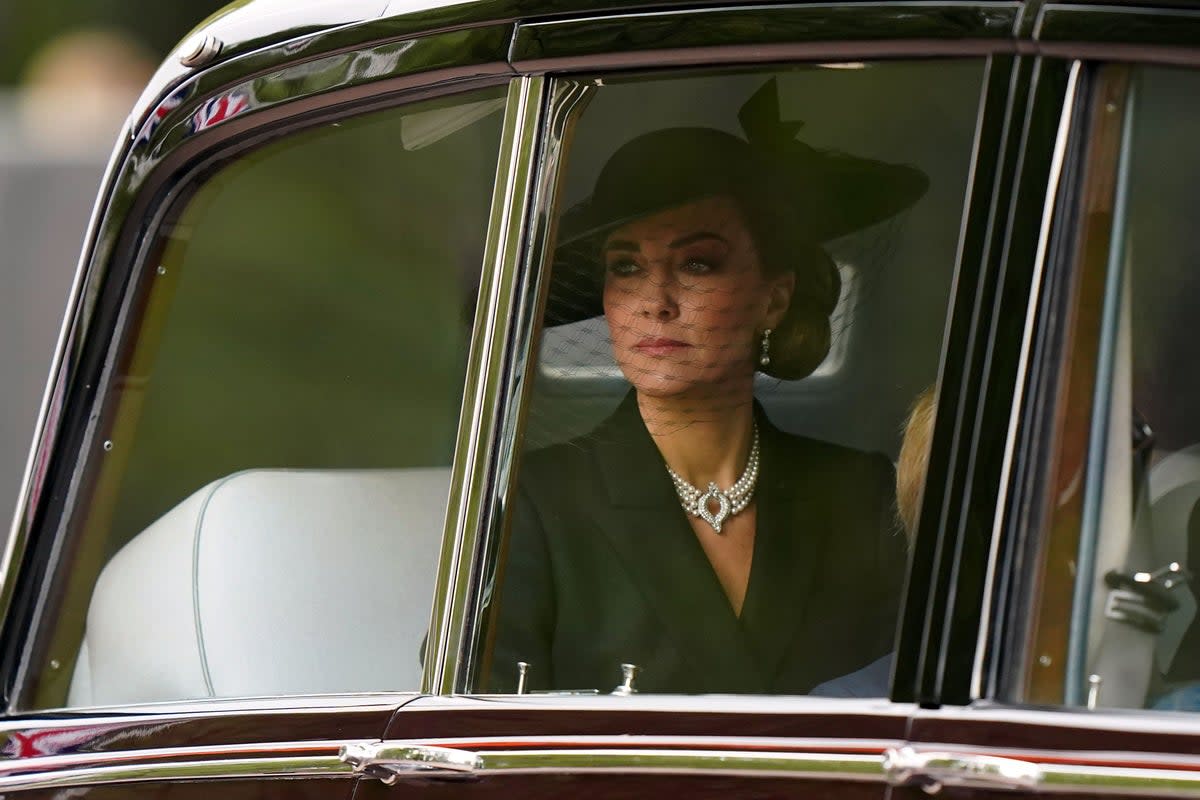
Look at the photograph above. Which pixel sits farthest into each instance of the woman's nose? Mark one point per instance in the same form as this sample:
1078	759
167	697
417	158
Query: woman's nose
658	298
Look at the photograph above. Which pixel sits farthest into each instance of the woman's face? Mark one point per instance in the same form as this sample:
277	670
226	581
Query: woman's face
686	300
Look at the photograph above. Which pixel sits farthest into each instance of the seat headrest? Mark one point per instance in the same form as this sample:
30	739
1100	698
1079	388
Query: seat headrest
270	582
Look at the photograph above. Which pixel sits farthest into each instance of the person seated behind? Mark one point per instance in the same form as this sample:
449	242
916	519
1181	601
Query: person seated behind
874	679
687	534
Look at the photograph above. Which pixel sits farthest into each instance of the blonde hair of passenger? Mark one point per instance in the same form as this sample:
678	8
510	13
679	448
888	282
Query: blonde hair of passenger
914	461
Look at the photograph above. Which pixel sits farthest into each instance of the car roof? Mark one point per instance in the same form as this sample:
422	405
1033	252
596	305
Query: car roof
245	26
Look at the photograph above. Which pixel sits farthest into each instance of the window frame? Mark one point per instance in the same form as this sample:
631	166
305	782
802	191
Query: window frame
147	177
580	50
1098	37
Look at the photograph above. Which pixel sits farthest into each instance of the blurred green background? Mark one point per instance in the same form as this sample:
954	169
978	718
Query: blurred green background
26	27
70	71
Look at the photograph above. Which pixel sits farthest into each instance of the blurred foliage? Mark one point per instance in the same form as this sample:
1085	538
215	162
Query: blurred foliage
25	26
313	309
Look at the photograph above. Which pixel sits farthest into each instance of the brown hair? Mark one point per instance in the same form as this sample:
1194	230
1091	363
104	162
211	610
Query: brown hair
801	341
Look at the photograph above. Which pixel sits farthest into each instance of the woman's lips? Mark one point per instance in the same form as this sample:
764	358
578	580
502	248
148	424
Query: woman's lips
660	346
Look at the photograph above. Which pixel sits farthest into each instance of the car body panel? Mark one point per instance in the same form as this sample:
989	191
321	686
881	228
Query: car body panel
279	66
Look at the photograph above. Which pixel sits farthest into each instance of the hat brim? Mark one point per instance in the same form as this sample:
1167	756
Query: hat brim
828	194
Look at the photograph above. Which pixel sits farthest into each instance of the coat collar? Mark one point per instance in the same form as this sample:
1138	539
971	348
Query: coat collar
647	527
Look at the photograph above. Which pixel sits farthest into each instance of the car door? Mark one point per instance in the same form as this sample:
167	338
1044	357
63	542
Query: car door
1084	667
916	309
224	565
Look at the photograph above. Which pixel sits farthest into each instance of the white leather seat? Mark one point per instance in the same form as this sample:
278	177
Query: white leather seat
270	582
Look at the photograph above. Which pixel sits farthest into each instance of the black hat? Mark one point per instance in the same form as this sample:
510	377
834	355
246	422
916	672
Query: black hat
821	194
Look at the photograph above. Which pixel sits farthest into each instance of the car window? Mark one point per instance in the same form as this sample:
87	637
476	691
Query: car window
745	299
266	514
1128	513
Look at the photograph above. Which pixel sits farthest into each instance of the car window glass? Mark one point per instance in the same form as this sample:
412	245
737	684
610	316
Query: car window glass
267	511
747	293
1134	629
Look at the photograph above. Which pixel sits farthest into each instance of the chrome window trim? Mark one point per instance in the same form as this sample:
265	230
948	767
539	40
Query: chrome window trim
737	34
1010	442
305	766
169	757
471	496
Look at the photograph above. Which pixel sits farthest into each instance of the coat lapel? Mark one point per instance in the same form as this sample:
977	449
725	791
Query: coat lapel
791	533
650	533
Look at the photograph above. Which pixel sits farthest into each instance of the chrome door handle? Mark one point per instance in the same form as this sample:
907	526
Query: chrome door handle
933	769
390	761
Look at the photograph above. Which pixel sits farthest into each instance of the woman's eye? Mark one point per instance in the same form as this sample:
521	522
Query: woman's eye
697	266
623	267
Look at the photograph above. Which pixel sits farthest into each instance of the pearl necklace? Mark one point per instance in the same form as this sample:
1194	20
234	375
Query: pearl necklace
730	502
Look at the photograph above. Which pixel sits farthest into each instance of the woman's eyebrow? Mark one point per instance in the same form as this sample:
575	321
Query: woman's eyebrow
624	245
698	236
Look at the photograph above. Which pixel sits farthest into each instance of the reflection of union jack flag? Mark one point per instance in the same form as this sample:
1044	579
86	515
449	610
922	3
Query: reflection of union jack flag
160	113
52	741
219	109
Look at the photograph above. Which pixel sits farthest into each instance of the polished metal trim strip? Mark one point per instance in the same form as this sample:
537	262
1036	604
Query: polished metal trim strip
165	755
747	744
1014	420
934	768
1048	759
394	761
685	762
244	768
483	393
1119	781
1090	772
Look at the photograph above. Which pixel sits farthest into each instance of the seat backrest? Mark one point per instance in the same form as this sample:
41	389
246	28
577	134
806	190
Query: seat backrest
270	582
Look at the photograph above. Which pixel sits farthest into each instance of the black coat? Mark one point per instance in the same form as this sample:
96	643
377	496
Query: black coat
602	568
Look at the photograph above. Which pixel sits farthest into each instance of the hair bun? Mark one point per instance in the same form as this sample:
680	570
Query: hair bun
801	341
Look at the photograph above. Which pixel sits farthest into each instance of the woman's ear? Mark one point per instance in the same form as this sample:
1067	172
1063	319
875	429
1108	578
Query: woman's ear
779	298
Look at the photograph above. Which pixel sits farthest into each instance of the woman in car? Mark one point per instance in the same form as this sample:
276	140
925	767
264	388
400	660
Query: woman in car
687	534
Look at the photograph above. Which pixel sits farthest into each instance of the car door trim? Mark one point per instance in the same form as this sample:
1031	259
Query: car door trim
470	500
932	767
737	33
840	759
285	760
1014	422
